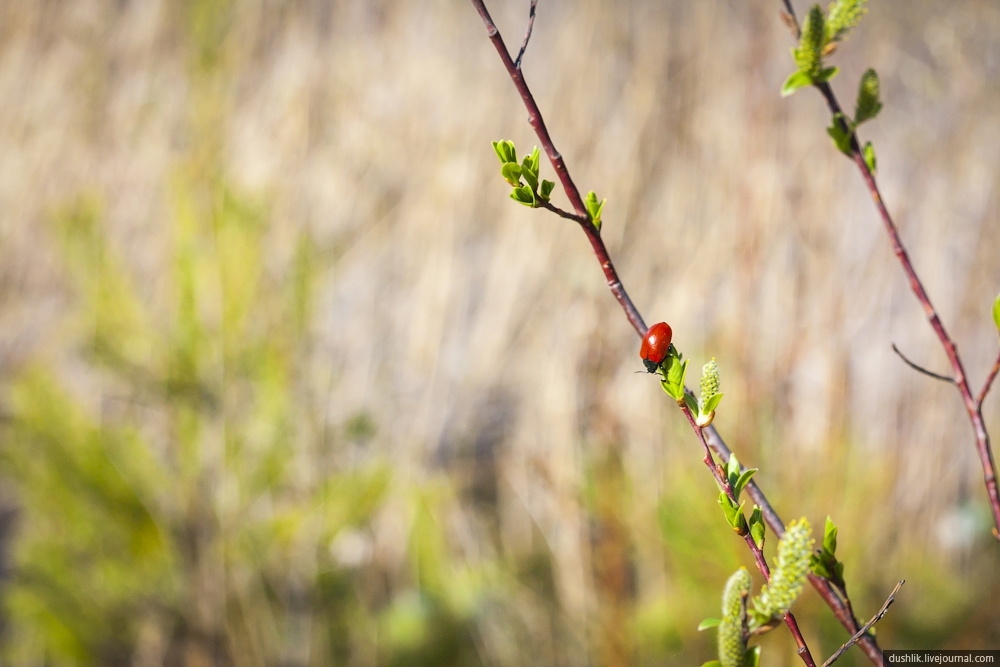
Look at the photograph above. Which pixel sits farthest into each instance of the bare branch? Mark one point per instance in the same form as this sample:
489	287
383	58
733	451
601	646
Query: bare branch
565	214
867	626
961	382
921	369
555	157
989	382
788	16
527	34
713	440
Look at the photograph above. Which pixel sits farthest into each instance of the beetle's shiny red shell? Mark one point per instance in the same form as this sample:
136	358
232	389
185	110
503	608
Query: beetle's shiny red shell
656	343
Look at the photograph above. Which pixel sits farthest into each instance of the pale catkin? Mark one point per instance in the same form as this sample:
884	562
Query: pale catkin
790	571
732	643
808	55
709	381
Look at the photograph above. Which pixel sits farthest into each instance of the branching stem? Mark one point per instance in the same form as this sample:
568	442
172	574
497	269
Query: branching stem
921	369
867	626
527	34
709	436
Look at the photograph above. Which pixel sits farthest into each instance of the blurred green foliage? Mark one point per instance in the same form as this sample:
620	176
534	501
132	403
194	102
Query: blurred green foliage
184	497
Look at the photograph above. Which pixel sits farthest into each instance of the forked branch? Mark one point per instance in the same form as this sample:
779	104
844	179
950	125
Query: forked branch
709	436
973	405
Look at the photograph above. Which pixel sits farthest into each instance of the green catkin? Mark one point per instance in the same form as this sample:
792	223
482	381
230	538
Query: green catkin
868	97
732	643
790	572
808	55
709	381
843	15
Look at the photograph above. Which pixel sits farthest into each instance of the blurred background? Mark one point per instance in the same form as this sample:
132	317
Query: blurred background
287	379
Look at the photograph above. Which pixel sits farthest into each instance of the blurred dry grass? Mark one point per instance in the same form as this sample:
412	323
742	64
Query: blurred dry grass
546	504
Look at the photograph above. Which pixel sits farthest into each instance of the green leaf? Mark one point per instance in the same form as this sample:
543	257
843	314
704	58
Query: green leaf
546	190
870	158
511	172
795	81
674	382
530	178
523	195
819	568
757	527
709	623
830	537
996	312
712	403
712	663
734	513
843	15
869	105
733	469
742	481
594	208
827	74
752	657
691	402
531	161
505	151
841	139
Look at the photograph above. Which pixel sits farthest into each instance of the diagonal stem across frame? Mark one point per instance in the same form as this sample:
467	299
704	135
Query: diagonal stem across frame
840	607
973	404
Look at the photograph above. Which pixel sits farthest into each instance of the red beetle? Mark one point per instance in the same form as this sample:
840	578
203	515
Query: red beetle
655	345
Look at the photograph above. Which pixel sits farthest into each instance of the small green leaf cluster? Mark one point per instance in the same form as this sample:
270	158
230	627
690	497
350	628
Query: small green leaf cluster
710	396
996	312
819	37
868	107
788	576
738	622
673	370
737	478
531	192
594	208
824	562
733	631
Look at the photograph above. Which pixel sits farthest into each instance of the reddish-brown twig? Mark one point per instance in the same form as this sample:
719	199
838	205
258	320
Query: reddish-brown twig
867	626
758	555
714	441
973	405
921	369
839	604
989	382
538	124
527	34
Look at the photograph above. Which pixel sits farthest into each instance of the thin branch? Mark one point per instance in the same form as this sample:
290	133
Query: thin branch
538	124
527	34
921	369
989	382
839	605
714	441
758	555
961	382
868	626
788	16
564	214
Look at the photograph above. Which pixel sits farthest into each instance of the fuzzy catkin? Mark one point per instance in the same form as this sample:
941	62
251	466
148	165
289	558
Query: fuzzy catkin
732	644
790	572
709	381
808	55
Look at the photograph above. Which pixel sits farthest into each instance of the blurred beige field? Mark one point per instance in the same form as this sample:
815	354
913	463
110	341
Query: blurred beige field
287	379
